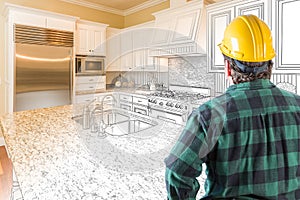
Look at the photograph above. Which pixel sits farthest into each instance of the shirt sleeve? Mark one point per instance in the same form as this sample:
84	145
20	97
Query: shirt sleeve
185	161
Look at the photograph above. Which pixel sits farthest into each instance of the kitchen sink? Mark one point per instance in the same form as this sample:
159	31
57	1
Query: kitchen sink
118	122
127	127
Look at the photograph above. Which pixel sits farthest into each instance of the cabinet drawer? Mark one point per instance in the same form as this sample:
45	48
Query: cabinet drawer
140	100
90	79
91	86
141	110
124	97
84	98
126	106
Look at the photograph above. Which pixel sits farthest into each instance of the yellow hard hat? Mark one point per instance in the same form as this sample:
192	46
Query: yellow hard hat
247	38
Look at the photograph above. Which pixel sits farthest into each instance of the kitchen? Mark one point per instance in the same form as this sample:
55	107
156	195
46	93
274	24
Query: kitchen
160	78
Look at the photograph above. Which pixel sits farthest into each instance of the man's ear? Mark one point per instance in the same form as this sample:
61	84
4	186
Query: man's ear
227	68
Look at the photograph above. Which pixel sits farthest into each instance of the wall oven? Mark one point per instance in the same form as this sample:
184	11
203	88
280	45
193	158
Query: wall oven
90	65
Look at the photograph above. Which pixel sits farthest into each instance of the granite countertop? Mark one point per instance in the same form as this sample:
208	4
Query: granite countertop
54	158
125	90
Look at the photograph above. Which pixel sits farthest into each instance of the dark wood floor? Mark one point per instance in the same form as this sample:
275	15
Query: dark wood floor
5	174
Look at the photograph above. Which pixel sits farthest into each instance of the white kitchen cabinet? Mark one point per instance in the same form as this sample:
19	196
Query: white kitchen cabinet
126	50
287	35
43	19
90	84
142	37
113	49
140	104
219	15
125	101
87	98
60	24
30	19
84	98
91	38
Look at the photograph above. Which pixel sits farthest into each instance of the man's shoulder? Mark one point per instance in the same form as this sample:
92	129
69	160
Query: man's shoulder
215	103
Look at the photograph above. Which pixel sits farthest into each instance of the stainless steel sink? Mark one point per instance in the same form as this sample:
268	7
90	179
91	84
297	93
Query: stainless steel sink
127	127
118	123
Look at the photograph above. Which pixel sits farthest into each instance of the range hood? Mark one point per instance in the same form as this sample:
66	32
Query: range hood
180	30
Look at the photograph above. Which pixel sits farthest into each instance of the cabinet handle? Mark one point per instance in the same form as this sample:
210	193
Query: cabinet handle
91	87
91	80
139	101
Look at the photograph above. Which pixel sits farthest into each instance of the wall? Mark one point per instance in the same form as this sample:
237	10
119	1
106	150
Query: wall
144	15
190	71
73	10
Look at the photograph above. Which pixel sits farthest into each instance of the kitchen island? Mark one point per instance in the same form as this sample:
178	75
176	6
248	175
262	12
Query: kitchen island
54	158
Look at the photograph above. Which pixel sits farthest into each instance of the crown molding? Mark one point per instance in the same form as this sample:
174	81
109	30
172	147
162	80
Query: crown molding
132	10
95	6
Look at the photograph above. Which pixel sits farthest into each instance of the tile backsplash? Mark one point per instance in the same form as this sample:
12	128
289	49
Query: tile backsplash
191	71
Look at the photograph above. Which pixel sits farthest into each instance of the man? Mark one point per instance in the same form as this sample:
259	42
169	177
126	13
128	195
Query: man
249	136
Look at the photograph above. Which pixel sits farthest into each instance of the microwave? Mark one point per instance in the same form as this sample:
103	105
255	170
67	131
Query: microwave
90	65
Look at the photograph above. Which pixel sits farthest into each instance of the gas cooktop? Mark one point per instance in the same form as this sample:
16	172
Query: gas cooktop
179	95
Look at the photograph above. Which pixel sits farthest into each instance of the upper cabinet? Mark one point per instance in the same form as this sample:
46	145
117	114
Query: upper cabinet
180	30
128	49
39	18
219	15
287	35
113	49
91	38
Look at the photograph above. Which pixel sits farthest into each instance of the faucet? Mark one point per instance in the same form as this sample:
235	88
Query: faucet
86	115
102	125
94	127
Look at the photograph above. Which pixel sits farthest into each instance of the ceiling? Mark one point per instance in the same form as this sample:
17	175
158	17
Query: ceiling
124	7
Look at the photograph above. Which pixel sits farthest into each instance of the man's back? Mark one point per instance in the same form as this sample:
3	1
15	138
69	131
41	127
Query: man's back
257	152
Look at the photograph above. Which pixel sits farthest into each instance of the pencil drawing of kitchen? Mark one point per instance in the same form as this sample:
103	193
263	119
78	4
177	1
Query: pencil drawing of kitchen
94	93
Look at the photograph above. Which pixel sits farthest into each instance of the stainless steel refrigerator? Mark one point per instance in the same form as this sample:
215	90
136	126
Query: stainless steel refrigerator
43	72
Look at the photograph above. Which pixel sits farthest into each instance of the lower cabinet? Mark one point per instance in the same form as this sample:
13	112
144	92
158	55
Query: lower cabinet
140	105
135	103
125	101
90	84
85	98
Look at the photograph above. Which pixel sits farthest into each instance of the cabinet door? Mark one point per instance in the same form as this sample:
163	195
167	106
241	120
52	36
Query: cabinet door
30	19
126	51
97	42
287	35
138	50
113	43
216	25
150	64
82	40
60	24
142	37
91	40
257	8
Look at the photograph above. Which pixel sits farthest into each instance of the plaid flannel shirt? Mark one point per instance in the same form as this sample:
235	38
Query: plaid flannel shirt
249	140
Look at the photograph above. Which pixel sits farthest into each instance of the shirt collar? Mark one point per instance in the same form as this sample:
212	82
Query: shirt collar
252	85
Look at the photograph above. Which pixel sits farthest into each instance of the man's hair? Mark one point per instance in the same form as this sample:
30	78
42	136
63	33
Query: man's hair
239	77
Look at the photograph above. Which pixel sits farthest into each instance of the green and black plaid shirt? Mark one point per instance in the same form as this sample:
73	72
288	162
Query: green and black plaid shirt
249	140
